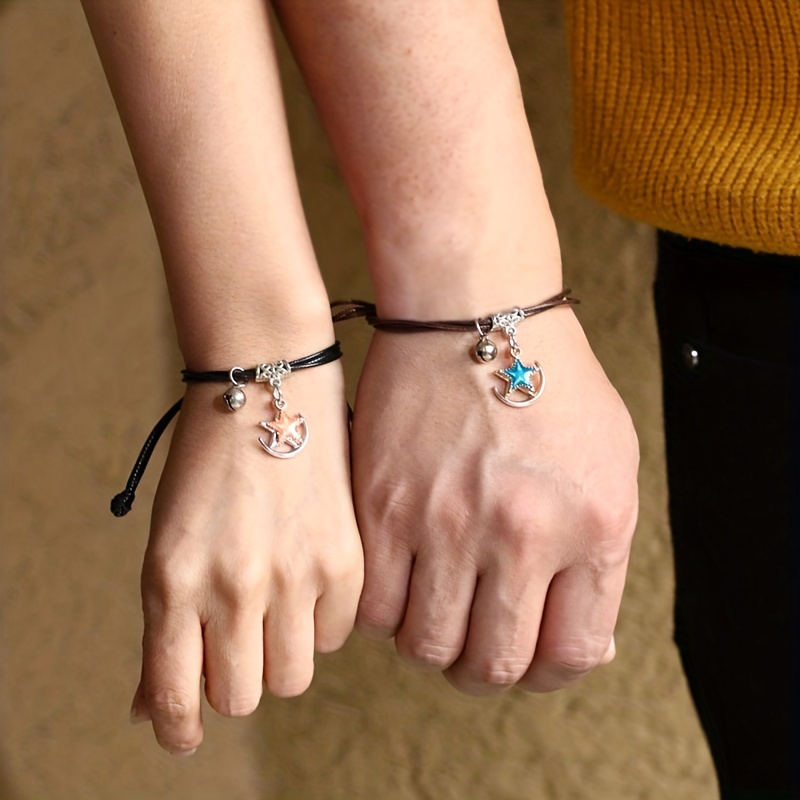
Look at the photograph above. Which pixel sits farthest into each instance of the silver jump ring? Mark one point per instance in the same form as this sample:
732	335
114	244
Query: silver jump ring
233	379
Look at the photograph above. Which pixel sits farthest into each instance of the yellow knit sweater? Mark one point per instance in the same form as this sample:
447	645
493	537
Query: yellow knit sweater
687	115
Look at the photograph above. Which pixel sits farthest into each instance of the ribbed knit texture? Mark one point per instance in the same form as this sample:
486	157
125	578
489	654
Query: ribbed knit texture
687	115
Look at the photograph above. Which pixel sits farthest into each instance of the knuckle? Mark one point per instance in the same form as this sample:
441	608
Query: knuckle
375	627
378	621
426	653
502	671
577	664
390	509
572	663
609	530
521	529
331	630
342	572
233	706
611	513
167	584
238	582
172	704
178	746
605	557
491	675
516	515
614	522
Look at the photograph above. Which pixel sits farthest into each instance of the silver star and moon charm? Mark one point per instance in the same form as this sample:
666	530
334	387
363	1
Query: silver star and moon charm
521	379
288	433
526	382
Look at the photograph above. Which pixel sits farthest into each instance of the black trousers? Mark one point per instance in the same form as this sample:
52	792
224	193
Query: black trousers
729	325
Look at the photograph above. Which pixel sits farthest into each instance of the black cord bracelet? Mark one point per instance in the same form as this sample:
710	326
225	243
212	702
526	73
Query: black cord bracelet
331	353
289	433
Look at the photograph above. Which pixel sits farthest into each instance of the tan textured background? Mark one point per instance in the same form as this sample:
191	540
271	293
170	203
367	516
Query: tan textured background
88	363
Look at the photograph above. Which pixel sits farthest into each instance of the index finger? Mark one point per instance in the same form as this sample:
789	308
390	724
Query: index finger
171	671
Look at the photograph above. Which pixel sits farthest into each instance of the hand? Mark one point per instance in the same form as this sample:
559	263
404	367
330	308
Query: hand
496	539
253	562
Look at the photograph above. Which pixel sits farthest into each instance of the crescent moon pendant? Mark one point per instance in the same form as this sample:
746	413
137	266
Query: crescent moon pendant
271	448
533	394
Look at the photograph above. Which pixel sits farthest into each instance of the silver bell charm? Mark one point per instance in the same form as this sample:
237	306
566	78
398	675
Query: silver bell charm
486	349
235	398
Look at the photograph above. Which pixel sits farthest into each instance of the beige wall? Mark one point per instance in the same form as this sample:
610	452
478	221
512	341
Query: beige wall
88	363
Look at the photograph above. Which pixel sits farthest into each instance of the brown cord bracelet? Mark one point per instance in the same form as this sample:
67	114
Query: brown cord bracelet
352	309
524	382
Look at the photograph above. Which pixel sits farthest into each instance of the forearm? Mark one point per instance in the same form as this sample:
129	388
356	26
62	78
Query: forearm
198	92
422	103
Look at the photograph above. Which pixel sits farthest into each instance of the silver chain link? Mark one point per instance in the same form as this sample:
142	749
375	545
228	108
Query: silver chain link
507	323
273	374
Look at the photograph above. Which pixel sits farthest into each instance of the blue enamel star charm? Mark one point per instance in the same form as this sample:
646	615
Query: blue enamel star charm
518	376
522	379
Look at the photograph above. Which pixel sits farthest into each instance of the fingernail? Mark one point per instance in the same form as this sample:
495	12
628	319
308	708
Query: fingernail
183	753
611	653
139	715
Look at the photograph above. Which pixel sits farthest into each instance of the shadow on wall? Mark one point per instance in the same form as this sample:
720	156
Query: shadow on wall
6	788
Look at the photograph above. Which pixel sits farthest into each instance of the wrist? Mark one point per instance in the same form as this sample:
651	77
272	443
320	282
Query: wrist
255	331
456	270
486	244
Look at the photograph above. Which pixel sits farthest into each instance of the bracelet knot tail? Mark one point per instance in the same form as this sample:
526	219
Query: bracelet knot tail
122	502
